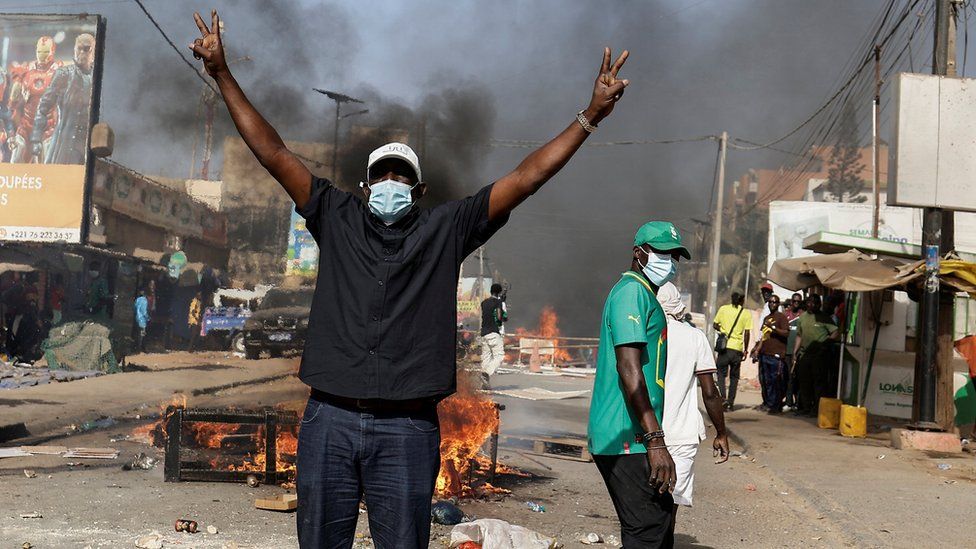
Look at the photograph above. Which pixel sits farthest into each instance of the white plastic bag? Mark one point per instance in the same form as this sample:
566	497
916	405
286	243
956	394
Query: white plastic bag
498	534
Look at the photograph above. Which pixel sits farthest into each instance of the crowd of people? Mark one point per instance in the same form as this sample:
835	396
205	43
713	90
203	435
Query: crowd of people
796	350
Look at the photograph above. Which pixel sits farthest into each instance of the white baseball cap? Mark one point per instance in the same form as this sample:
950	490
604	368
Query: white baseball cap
395	150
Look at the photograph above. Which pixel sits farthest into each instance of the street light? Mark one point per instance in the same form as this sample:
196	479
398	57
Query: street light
339	99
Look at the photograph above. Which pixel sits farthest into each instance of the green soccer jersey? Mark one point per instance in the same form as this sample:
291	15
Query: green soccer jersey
631	315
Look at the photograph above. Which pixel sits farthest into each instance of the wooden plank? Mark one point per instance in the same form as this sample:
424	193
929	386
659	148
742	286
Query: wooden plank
281	502
45	450
587	459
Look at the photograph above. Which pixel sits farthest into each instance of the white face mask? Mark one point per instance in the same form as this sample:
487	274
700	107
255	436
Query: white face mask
660	268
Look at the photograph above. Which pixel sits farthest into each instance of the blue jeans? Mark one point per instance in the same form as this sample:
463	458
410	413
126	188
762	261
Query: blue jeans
772	370
344	455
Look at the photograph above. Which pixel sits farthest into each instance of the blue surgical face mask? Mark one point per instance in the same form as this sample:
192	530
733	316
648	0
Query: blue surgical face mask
660	268
390	200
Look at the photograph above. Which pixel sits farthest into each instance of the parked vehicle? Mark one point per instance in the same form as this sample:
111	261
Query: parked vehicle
280	322
225	320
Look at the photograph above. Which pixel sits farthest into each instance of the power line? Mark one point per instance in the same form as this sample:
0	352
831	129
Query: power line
177	50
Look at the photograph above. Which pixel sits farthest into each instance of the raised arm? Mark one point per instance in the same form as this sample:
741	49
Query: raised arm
258	134
635	394
546	161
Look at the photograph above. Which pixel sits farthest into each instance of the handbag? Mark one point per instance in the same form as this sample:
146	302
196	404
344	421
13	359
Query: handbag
722	339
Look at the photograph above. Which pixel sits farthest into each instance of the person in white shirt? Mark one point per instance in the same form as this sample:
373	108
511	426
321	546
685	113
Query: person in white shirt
689	360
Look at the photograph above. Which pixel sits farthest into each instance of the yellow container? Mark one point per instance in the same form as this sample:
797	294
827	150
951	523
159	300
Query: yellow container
853	421
828	413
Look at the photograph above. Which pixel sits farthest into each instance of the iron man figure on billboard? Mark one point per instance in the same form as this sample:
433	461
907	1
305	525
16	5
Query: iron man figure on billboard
27	87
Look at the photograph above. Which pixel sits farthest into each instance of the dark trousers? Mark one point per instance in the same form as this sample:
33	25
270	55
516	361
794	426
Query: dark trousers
773	371
194	335
344	455
790	382
646	517
727	364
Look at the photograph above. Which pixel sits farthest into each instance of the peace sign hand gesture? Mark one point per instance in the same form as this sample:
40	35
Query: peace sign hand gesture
209	47
608	89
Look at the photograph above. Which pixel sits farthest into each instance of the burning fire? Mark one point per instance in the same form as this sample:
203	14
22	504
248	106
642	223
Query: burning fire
467	420
548	329
217	436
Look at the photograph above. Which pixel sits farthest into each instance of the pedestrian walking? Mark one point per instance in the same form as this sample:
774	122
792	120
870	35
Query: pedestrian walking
812	356
380	351
194	317
770	352
141	307
625	436
690	365
493	317
732	322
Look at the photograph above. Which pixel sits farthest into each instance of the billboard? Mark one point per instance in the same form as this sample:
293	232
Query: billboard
50	69
302	258
791	222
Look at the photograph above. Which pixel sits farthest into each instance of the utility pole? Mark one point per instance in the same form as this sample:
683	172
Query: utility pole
875	130
933	369
339	99
481	281
717	231
745	292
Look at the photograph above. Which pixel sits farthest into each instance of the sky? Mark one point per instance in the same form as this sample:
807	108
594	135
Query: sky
511	70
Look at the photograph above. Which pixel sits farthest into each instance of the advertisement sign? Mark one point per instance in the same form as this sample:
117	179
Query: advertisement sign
303	253
471	291
126	192
50	67
790	222
890	391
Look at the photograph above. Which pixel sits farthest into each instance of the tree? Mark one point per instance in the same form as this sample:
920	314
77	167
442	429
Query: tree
844	183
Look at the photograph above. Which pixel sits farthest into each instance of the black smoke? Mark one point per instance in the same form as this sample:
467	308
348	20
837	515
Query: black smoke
471	71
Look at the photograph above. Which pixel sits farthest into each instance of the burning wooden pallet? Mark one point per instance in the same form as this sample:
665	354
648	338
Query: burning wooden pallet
574	449
270	422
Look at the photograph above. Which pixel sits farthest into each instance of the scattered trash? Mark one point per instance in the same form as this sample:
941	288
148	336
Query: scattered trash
29	473
950	482
211	529
535	507
735	453
288	485
141	461
281	502
944	466
253	481
150	541
499	534
445	512
882	456
818	538
91	453
612	541
97	424
750	487
31	515
591	538
784	493
186	525
469	545
26	545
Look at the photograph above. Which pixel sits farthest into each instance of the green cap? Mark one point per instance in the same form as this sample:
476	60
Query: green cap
662	236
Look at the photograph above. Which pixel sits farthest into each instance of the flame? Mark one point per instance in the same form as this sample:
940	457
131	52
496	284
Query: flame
467	420
210	435
548	328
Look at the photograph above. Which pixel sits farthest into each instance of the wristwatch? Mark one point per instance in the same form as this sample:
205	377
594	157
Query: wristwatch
584	123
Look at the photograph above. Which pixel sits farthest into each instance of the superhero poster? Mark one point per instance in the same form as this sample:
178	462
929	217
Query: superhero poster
49	83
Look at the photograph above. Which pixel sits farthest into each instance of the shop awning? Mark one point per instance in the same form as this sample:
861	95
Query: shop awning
853	271
850	271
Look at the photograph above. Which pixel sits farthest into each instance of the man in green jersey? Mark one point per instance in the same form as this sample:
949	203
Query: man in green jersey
625	436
